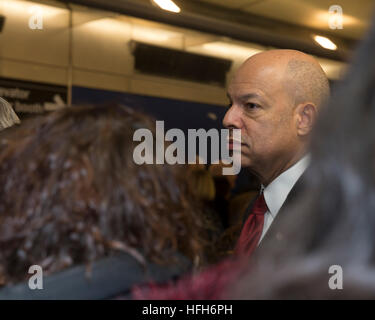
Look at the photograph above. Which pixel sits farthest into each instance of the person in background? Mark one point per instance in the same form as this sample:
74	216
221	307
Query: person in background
71	194
8	117
203	185
223	186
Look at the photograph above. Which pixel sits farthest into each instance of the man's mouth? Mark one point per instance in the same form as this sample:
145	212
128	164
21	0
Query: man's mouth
235	144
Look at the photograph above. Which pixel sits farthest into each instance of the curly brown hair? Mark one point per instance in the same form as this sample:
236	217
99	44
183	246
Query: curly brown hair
70	193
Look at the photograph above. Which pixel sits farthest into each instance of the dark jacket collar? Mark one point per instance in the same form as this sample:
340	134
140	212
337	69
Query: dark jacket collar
273	234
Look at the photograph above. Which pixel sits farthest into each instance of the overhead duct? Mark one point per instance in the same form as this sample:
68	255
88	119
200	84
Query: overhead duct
164	62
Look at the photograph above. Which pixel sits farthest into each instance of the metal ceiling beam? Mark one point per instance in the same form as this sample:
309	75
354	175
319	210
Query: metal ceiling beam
229	23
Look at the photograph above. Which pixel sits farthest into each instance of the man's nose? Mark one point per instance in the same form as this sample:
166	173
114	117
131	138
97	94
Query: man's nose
232	118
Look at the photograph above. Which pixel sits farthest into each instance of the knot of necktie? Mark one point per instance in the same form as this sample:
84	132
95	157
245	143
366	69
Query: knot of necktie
260	206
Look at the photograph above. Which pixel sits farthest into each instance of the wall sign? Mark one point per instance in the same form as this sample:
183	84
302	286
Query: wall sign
32	97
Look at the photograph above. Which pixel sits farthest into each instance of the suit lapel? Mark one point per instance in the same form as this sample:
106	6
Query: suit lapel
273	232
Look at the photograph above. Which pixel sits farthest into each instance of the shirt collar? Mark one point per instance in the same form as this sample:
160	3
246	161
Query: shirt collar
277	191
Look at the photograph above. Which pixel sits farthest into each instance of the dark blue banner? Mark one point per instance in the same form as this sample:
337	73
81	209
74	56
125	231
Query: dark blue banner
176	113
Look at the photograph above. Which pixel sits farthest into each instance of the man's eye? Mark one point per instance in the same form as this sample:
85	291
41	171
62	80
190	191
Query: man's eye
251	105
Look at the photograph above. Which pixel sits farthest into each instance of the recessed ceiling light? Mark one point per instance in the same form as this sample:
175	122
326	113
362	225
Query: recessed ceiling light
325	42
229	50
168	5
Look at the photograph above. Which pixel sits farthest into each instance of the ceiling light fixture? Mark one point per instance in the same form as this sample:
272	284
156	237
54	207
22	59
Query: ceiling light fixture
229	50
168	5
325	42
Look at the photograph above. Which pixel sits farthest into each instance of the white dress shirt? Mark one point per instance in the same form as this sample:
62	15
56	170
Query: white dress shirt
277	191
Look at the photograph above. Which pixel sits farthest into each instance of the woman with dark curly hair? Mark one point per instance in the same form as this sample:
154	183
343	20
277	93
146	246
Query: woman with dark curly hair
71	194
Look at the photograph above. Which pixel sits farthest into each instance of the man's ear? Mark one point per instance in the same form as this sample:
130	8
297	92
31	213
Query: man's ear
306	114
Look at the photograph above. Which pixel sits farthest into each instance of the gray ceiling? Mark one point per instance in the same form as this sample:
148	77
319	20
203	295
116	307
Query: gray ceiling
272	23
307	13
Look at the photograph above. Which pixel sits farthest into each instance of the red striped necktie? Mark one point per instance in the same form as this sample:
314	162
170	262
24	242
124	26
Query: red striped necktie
252	229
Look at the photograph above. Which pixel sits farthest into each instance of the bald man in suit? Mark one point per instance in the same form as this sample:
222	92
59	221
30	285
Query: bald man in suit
275	97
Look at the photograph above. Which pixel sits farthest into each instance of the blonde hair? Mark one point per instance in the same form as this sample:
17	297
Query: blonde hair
203	184
8	117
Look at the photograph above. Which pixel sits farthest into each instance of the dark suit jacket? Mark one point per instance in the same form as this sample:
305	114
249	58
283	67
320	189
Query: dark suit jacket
273	235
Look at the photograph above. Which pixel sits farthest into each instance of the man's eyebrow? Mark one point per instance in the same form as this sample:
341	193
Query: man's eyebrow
250	96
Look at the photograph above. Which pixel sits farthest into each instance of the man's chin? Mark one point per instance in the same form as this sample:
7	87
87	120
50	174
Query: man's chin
245	162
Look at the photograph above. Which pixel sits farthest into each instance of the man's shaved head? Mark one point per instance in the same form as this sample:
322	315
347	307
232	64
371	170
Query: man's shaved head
307	82
300	73
274	99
